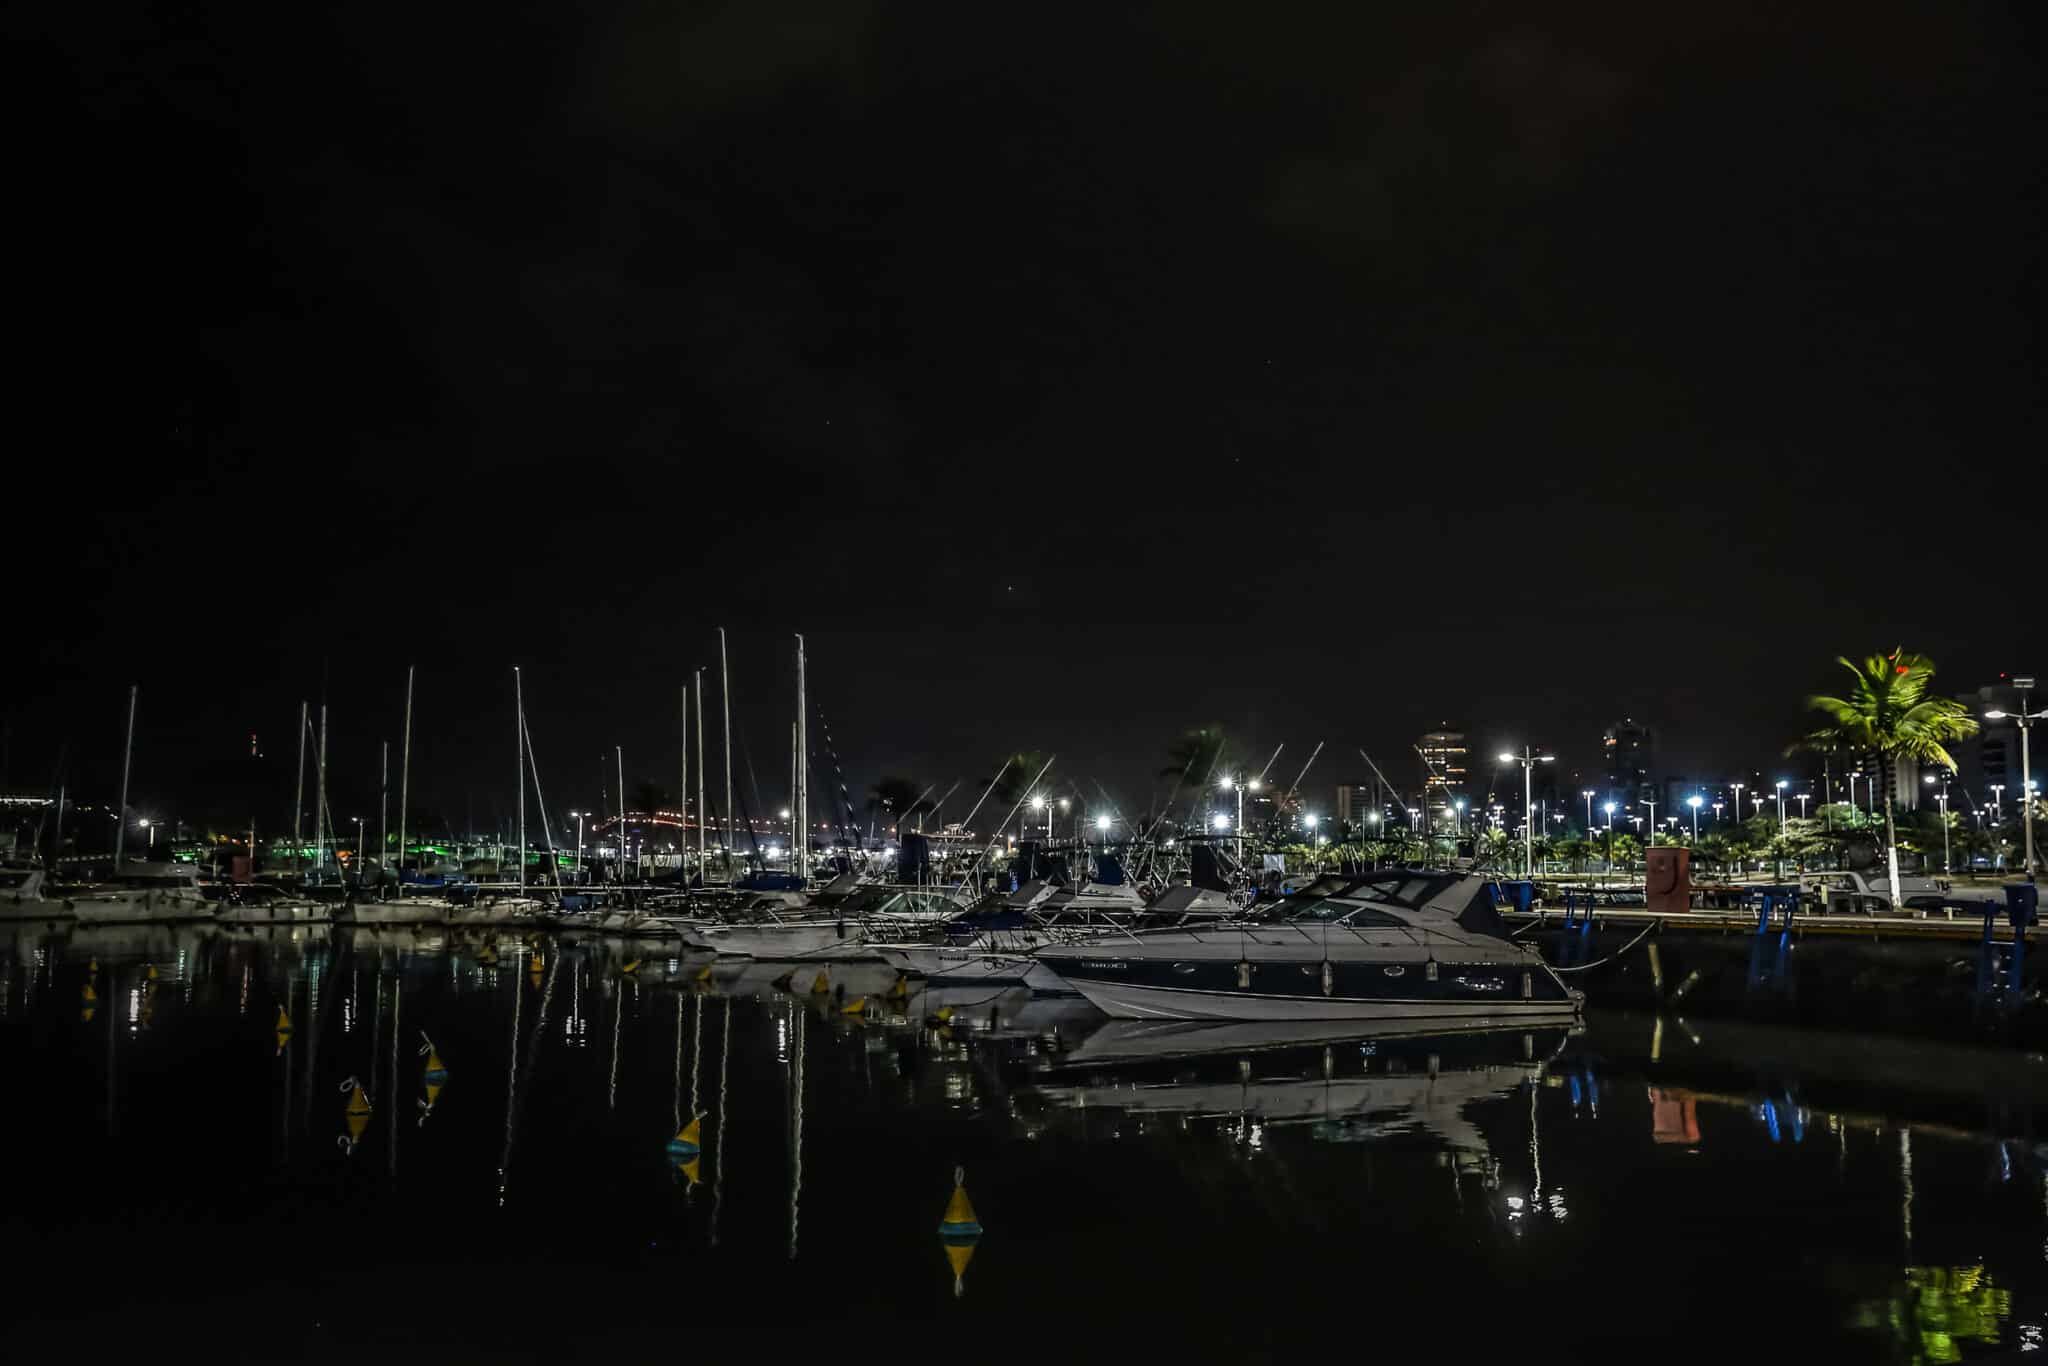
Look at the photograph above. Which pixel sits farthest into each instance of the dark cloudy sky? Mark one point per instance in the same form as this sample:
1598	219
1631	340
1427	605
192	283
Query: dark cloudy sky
1071	376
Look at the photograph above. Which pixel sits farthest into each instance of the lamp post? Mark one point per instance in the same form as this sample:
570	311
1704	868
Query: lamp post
1528	759
1240	785
1942	796
1782	785
1694	803
578	815
1458	817
2026	719
1609	808
1737	804
1651	802
1587	793
356	854
1717	811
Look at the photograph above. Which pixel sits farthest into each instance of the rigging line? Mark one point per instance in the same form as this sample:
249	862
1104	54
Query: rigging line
546	827
1014	809
1270	762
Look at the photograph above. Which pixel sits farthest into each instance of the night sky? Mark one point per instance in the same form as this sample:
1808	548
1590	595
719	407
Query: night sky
1069	376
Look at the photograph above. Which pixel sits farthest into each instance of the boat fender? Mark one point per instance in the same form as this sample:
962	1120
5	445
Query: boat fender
1329	977
1244	974
1528	987
1429	971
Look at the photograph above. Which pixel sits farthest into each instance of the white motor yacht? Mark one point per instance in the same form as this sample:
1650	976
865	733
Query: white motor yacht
1394	944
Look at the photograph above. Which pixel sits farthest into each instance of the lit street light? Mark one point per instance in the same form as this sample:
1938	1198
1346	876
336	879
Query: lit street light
578	815
1609	808
1942	796
1528	760
1587	793
2026	719
1694	803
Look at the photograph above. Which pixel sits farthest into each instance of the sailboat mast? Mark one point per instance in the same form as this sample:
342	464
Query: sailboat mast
320	790
404	781
57	838
383	811
701	747
619	753
519	766
725	699
127	758
683	792
299	799
802	829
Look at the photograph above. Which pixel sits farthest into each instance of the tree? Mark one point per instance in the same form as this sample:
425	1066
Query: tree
1017	776
1889	714
1626	847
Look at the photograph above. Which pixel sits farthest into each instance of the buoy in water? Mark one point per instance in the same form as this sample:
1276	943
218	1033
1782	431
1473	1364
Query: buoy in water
942	1017
355	1115
534	967
630	968
489	957
149	972
900	990
822	984
685	1151
435	1078
857	1006
960	1231
284	1029
704	977
92	968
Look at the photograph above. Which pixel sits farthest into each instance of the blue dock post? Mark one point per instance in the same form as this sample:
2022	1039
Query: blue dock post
2022	907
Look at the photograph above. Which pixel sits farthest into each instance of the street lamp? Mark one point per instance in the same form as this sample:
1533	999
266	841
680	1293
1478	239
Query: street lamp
1802	798
1738	800
1717	811
1694	803
1528	760
1102	825
1458	816
2026	719
356	854
1782	785
580	875
1942	796
1587	793
1039	804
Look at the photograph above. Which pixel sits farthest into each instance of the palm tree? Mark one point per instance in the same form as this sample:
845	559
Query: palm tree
1888	714
899	798
1194	754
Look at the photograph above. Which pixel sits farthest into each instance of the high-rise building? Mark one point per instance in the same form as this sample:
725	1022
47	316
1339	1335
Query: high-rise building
1443	763
1991	757
1630	752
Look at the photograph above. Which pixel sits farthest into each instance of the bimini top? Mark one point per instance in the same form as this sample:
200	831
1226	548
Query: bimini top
1461	896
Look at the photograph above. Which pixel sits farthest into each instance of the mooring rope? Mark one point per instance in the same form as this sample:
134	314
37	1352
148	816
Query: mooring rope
1652	928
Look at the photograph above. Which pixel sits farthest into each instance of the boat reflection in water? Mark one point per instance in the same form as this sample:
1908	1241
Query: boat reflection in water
1349	1083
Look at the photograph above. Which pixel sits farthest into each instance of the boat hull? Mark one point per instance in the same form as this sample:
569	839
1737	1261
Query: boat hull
1133	1001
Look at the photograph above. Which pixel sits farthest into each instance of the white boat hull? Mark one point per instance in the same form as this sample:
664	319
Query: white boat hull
1127	1001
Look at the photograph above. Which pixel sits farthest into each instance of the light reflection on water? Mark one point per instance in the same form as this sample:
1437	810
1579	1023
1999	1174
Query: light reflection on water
1880	1197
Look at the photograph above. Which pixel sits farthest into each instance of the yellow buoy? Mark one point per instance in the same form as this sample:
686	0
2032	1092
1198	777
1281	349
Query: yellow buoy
489	957
355	1115
436	1077
960	1231
149	971
631	968
900	991
705	975
89	993
821	984
535	965
857	1006
92	968
942	1016
284	1029
685	1150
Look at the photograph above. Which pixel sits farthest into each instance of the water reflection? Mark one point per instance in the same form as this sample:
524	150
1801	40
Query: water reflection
1892	1180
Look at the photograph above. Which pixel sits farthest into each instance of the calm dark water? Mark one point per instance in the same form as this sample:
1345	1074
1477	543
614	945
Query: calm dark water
1640	1189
